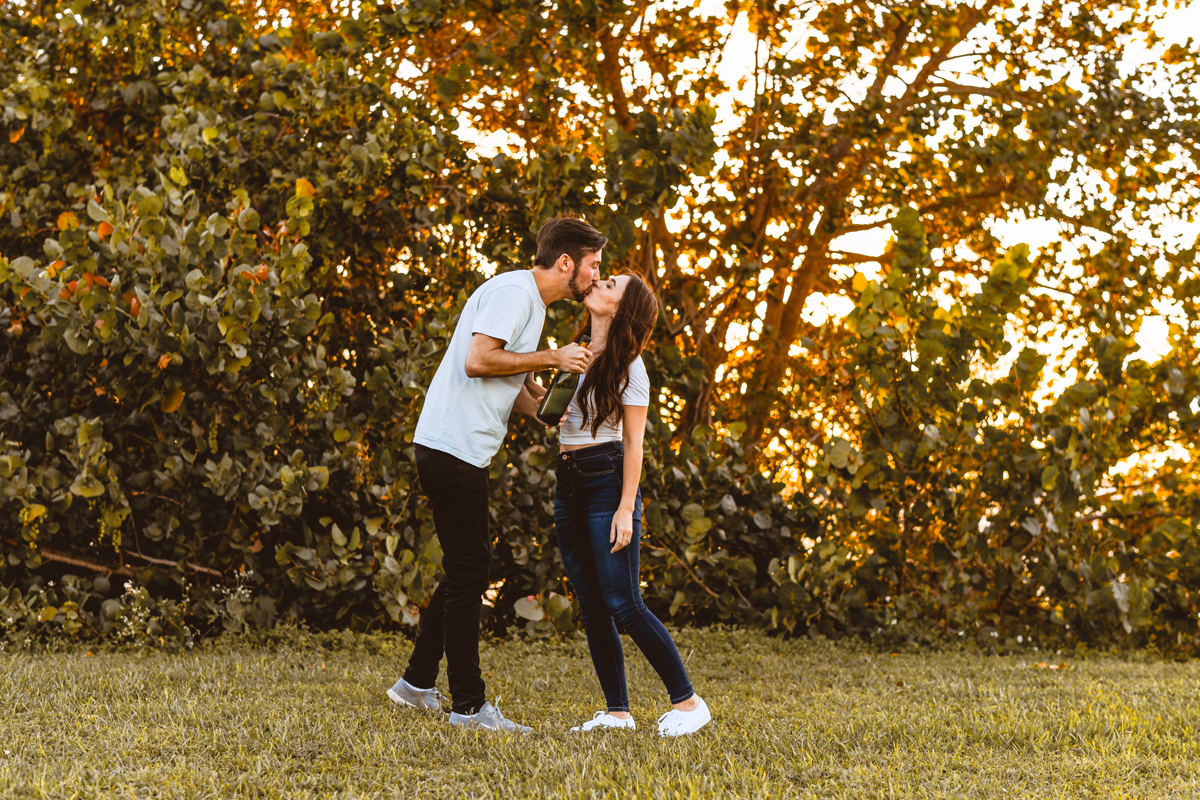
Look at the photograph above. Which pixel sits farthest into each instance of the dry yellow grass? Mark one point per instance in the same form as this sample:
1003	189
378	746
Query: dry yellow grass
792	719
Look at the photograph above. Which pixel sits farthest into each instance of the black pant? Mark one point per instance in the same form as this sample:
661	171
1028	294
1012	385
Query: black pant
458	497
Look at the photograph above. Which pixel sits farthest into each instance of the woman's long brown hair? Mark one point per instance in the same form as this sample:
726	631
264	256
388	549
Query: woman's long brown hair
628	334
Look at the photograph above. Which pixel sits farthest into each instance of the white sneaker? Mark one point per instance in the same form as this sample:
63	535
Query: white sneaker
404	693
605	720
487	718
681	723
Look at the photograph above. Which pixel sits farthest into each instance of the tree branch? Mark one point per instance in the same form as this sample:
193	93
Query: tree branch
974	17
951	89
63	558
846	257
687	568
166	562
610	71
860	226
889	60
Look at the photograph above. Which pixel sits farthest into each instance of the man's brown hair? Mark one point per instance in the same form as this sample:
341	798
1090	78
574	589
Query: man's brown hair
559	235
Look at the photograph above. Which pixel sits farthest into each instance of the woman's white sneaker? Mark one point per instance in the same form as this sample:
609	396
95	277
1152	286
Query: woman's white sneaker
681	723
605	720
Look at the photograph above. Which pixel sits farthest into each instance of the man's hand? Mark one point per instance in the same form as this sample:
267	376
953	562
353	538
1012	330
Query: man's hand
573	358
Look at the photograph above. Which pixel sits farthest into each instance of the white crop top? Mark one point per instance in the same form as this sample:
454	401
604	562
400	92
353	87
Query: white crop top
637	393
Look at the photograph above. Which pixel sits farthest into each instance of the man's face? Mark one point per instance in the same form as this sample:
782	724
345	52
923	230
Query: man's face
584	276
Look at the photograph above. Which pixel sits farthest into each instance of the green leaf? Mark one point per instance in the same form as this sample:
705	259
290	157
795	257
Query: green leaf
528	608
677	603
75	343
1050	478
319	479
85	485
697	523
558	608
217	225
196	280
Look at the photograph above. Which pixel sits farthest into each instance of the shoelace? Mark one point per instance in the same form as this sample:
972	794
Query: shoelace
436	694
499	714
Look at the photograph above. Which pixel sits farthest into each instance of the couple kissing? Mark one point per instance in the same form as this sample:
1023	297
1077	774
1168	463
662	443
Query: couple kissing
486	374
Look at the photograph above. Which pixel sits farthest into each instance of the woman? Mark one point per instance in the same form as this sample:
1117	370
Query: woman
598	507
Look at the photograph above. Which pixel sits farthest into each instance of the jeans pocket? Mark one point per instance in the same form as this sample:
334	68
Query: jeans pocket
596	466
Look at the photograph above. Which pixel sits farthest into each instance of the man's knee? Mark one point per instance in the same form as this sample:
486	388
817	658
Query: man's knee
472	585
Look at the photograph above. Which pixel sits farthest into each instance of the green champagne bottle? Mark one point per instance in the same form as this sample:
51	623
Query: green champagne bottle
559	395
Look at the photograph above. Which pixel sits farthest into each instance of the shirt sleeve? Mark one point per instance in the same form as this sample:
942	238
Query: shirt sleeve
637	392
502	313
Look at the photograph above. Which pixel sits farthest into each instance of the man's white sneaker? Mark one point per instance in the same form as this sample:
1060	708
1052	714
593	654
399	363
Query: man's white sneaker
404	693
488	718
681	723
605	720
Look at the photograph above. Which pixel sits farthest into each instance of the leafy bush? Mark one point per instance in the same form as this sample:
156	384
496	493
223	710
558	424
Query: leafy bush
228	279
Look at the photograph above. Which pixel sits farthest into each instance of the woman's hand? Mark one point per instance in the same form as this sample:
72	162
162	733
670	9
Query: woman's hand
622	528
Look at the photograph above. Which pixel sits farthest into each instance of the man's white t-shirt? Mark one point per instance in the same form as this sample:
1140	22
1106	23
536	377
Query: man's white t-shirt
637	393
468	417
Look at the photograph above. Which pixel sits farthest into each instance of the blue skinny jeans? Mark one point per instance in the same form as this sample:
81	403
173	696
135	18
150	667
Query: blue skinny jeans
605	583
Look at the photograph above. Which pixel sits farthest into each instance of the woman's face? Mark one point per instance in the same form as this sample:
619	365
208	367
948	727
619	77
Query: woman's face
606	295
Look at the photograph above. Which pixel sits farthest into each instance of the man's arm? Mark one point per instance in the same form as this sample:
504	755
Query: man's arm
487	358
527	404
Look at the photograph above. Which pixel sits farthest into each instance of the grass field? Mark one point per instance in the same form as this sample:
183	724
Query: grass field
791	719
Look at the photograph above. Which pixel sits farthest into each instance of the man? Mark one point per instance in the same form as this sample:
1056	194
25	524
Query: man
487	373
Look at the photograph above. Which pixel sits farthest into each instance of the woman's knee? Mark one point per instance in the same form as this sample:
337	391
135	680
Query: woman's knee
624	609
591	607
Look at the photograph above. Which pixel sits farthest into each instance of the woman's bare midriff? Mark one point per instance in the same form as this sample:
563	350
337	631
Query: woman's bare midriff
566	448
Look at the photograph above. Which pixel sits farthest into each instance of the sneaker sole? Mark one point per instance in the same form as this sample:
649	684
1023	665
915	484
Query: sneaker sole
663	735
475	726
604	728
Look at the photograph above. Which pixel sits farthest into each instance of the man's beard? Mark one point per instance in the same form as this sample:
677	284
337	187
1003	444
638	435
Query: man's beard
577	291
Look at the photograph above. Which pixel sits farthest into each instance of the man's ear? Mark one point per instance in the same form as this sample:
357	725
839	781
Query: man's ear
565	263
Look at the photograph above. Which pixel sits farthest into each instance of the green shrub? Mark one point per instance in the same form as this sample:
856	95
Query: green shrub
227	279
